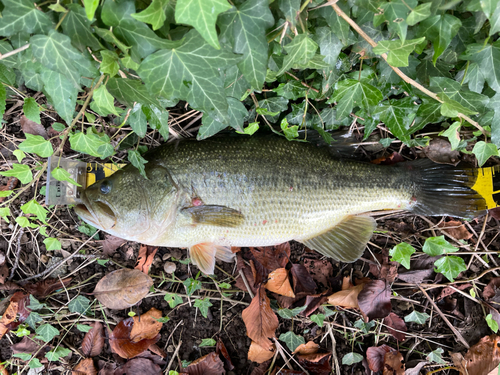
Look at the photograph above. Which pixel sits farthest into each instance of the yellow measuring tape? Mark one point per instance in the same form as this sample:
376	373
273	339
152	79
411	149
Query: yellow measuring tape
96	172
488	185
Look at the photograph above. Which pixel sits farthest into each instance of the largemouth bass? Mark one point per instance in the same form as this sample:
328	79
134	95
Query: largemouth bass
208	196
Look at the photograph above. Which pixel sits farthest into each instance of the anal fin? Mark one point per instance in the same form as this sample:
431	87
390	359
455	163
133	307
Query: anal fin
346	241
203	255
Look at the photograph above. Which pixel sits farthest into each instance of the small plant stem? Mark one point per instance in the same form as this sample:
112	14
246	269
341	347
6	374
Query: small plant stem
405	78
455	331
11	53
18	250
242	275
441	369
61	20
173	357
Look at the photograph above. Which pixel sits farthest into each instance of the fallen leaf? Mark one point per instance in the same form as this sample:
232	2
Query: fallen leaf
260	320
29	344
93	342
375	356
148	354
272	257
455	229
439	151
313	302
207	365
346	298
394	325
4	272
141	366
279	283
146	326
285	371
316	363
220	348
106	368
31	127
45	287
261	369
9	285
158	351
375	299
16	306
85	367
239	283
491	289
145	258
308	348
448	291
120	343
416	276
416	370
302	280
10	185
393	364
122	288
258	354
494	213
387	271
483	357
110	244
320	270
259	272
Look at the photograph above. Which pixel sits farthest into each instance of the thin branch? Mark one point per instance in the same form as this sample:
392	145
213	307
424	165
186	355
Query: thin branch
405	78
8	54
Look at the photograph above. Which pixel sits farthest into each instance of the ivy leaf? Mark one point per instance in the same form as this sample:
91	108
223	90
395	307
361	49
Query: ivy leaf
319	319
90	144
5	213
190	72
395	13
79	304
173	299
62	93
435	356
59	352
90	8
76	25
37	145
46	332
62	174
451	108
398	117
109	64
127	91
246	29
154	14
202	15
399	50
21	172
137	120
419	14
492	323
137	161
290	9
484	151
237	112
450	266
158	119
435	246
21	15
207	342
453	135
31	110
103	102
203	304
351	358
52	244
84	328
351	93
416	317
427	113
35	208
337	24
440	30
330	45
290	313
292	340
109	37
7	75
300	51
488	59
453	90
401	253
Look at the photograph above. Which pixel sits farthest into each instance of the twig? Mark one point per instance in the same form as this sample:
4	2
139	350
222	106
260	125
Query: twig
242	275
455	331
405	78
18	251
17	50
334	349
173	357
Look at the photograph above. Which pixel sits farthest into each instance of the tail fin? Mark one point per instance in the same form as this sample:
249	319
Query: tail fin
462	192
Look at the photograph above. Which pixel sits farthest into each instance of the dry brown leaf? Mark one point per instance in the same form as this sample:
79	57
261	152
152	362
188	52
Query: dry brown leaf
207	365
31	127
123	288
375	356
220	348
455	229
141	366
261	369
375	299
145	258
4	273
158	351
439	151
120	343
484	356
393	364
85	367
302	280
278	282
260	320
258	354
110	244
93	342
346	298
308	348
242	266
272	257
316	363
146	326
320	270
448	291
43	288
491	289
17	305
396	326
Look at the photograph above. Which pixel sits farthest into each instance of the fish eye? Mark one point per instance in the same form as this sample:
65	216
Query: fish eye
105	187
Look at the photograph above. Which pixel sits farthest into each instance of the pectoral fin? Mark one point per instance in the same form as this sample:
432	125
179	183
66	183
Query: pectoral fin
346	241
221	216
203	255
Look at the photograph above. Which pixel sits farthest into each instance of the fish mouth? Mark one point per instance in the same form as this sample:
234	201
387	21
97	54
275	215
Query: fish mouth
104	221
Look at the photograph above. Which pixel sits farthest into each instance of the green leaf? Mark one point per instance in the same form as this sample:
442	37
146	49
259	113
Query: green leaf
202	15
31	110
453	90
207	342
492	323
59	352
351	358
90	144
4	213
88	229
190	72
351	93
35	363
330	45
435	356
299	51
21	172
399	50
62	93
395	13
22	356
191	285
3	101
250	129
401	253
364	327
84	328
46	332
158	119
7	75
36	144
62	174
237	112
319	319
173	299
5	193
127	91
20	155
419	14
290	313
451	108
435	246
35	208
440	30
103	102
337	24
137	161
109	37
21	15
25	223
35	304
109	64
138	121
90	8
52	244
129	63
79	304
488	59
453	134
483	151
76	25
245	28
154	14
203	304
290	132
416	317
290	9
292	340
450	266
